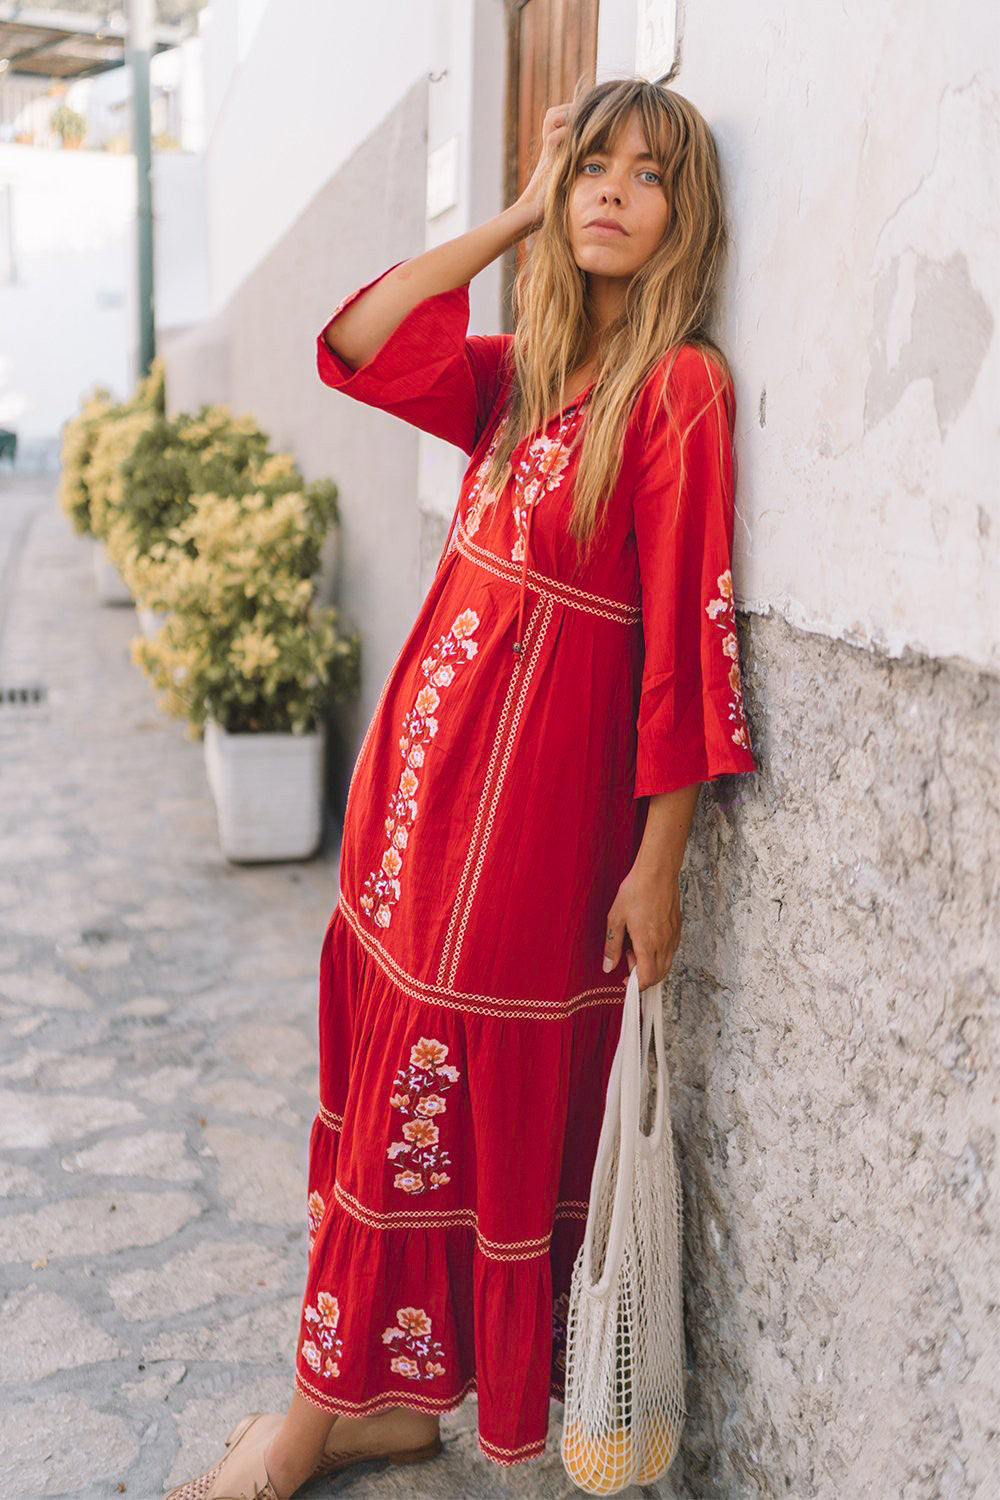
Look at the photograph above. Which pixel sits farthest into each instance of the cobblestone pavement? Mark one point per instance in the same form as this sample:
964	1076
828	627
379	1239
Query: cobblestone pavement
157	1076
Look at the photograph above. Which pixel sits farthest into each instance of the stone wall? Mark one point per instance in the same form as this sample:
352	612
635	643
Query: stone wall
833	1032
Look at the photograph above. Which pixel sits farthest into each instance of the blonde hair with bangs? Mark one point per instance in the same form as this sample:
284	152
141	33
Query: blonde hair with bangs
668	303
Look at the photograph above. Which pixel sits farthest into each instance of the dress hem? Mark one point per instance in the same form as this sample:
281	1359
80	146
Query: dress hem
433	1406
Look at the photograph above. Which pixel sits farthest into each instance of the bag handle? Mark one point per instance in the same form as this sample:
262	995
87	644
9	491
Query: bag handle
619	1127
652	1019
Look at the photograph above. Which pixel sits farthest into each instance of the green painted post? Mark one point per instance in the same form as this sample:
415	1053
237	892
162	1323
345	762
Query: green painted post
139	48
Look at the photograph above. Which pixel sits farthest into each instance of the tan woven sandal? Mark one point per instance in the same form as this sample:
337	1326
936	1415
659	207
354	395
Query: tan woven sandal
331	1463
332	1460
197	1489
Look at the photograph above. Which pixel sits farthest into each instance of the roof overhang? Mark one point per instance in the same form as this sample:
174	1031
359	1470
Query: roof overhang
65	44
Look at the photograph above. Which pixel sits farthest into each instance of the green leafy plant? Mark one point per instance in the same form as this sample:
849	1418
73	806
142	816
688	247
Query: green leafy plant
94	450
243	643
113	444
79	434
176	458
68	124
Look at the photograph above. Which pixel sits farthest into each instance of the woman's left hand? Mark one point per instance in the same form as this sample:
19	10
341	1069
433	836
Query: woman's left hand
645	919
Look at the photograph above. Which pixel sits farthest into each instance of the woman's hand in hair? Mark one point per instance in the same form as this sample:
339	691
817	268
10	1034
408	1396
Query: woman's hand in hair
554	128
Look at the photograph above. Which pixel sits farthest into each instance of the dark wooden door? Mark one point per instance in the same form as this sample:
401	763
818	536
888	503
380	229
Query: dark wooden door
551	50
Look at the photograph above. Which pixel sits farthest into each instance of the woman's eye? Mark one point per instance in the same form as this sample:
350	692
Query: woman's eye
647	171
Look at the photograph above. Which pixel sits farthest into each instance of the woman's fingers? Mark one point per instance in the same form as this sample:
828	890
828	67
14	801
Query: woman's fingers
654	966
652	951
614	937
554	127
618	943
555	115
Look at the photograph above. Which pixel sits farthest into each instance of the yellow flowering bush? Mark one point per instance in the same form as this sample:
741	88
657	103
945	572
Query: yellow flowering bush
96	443
243	643
113	444
209	451
78	436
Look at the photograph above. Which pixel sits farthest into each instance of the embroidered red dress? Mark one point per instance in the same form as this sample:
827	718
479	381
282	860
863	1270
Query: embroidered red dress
466	1025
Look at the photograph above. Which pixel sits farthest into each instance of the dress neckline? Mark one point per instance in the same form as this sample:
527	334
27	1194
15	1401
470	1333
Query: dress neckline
572	403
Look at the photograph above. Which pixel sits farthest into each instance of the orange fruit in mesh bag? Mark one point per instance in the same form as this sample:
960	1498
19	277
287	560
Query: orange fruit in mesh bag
662	1438
597	1462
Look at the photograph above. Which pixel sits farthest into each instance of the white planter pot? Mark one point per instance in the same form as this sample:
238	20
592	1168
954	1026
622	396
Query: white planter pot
210	746
150	620
268	791
111	587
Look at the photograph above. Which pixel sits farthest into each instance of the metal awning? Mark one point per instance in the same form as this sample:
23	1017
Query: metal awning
64	44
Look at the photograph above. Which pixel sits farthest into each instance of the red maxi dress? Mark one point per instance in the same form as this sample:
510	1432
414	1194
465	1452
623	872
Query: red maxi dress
466	1025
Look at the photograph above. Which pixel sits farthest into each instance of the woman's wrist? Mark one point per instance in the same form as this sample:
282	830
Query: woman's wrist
668	821
519	219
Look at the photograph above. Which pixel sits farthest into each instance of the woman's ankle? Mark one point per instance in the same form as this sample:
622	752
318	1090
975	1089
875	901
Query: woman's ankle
400	1426
285	1467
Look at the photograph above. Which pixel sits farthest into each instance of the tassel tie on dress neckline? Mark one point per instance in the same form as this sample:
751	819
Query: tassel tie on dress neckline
557	448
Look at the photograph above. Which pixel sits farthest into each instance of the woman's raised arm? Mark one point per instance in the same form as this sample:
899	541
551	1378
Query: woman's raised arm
363	327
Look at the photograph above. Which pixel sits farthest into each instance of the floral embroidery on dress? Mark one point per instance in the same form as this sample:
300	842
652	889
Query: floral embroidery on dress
414	1335
427	1072
324	1348
723	612
539	469
317	1208
479	498
454	649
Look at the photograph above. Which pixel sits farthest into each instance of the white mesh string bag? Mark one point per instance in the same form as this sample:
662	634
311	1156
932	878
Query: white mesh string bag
624	1397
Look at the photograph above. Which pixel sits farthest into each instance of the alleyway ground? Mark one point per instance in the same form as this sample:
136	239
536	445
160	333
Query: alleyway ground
157	1076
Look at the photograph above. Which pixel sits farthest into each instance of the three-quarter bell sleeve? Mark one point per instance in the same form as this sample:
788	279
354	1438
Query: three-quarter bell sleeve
429	371
691	725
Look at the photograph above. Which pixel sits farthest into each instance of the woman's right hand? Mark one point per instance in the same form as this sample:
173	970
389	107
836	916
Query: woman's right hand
532	200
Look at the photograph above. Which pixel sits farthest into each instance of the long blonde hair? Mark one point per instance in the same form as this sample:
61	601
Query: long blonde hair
668	303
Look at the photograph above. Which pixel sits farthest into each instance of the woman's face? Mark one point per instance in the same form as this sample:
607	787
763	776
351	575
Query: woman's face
623	185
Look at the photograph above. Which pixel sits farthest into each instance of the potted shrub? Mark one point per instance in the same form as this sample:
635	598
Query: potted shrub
69	125
250	660
95	445
79	440
171	459
210	451
114	442
78	435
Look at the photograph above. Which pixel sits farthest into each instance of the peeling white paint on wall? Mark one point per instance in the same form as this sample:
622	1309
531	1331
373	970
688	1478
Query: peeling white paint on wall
859	148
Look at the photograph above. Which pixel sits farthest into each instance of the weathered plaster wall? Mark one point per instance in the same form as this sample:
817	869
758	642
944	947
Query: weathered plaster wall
835	1045
859	148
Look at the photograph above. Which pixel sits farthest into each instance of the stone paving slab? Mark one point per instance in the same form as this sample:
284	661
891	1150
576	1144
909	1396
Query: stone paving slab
158	1078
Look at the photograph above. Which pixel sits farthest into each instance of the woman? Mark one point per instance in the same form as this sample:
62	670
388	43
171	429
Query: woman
519	808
